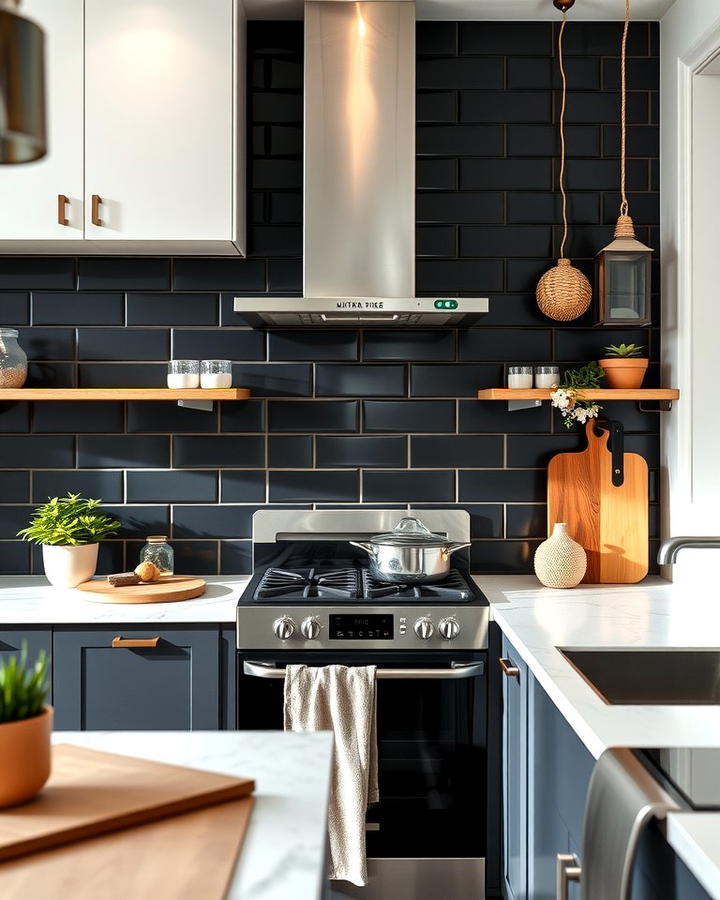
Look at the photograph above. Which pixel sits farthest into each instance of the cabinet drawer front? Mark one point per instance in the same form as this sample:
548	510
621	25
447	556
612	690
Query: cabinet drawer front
174	684
514	735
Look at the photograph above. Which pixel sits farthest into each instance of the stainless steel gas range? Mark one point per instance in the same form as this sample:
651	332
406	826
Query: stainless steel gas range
311	599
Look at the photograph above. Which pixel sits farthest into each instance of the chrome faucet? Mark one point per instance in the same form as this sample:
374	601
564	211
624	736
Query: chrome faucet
669	549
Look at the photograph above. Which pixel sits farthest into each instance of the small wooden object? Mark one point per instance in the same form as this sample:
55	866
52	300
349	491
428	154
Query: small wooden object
91	793
610	523
169	589
122	578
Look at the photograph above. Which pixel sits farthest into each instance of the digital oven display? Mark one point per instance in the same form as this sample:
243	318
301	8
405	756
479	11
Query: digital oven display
368	628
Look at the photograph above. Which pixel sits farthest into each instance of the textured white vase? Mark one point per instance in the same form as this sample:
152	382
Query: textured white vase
560	562
67	567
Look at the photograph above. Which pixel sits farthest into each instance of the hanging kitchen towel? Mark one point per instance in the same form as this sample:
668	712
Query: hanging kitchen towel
341	699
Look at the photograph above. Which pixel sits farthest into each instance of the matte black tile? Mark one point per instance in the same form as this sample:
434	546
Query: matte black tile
453	380
524	274
514	310
604	38
79	416
603	106
12	519
14	558
172	487
172	309
275	37
642	74
312	344
48	273
275	107
144	273
434	38
14	417
198	557
276	174
503	557
140	521
438	345
313	416
242	486
202	451
274	379
536	451
515	344
374	380
210	521
642	140
218	274
458	451
583	241
546	208
285	140
14	487
286	73
464	207
123	452
603	174
50	375
408	415
236	343
413	486
527	521
105	486
436	106
136	375
506	106
286	208
436	174
436	240
339	452
506	174
128	344
456	72
645	207
156	416
476	276
544	140
313	487
247	416
583	73
37	451
236	557
499	38
505	240
503	485
646	445
275	240
585	344
78	309
15	308
285	275
486	520
290	451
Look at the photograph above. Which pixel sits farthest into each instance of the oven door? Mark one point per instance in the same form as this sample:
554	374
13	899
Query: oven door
431	731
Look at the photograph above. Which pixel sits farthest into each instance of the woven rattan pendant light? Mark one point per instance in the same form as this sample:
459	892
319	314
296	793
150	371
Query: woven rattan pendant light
563	293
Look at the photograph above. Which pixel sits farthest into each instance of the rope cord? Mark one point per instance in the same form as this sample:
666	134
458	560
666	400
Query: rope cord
562	135
624	201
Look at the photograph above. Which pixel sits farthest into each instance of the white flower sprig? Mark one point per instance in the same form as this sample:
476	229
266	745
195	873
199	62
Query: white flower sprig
572	407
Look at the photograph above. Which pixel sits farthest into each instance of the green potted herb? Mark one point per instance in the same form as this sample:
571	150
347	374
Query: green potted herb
69	530
25	728
624	365
568	396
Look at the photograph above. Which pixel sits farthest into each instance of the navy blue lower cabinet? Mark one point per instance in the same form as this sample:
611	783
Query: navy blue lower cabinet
228	655
515	772
137	678
37	639
660	874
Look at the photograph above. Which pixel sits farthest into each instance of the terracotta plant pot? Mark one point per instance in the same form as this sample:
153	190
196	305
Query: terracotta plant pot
24	757
67	567
624	373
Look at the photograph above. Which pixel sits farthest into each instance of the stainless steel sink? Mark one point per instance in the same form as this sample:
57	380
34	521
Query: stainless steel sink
647	677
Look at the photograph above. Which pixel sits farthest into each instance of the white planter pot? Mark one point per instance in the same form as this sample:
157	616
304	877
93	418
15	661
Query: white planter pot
67	567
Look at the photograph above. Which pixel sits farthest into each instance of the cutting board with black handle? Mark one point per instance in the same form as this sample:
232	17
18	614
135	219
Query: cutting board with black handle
603	497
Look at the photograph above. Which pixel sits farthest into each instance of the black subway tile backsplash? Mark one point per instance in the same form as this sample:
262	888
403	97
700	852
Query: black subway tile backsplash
382	417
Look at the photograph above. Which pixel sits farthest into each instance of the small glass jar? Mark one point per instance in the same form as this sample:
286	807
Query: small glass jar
520	377
547	376
216	373
183	373
13	361
158	551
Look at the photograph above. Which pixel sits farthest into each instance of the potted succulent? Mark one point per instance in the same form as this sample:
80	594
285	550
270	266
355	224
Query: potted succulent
624	365
69	530
25	728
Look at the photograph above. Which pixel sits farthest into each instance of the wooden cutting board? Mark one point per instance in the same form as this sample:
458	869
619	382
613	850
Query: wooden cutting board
610	522
91	793
185	857
167	589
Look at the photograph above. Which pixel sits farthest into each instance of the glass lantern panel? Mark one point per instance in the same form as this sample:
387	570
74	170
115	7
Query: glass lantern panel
626	285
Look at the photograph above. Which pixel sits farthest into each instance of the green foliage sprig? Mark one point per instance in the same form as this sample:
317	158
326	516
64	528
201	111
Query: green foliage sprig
71	521
568	397
623	351
23	688
585	378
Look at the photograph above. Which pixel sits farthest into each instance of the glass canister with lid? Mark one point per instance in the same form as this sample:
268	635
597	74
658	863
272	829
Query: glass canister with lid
13	361
158	551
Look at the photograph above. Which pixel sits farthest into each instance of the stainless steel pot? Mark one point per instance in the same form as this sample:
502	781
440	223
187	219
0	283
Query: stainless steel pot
409	554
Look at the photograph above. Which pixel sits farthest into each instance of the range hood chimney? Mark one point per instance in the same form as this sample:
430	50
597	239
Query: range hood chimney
359	176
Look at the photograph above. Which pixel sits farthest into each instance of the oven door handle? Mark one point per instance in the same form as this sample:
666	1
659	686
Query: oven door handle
456	671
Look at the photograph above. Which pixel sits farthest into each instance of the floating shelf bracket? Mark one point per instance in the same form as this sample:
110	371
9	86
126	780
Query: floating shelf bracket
202	405
517	405
659	406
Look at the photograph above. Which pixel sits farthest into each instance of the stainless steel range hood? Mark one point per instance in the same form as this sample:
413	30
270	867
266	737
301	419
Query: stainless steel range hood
359	186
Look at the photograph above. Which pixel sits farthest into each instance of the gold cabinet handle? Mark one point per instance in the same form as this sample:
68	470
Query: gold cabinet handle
62	210
96	201
134	642
508	668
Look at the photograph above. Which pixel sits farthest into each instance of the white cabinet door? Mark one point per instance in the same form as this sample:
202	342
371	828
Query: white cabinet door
159	136
29	192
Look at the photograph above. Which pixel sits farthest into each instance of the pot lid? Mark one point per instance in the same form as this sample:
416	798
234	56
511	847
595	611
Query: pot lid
410	532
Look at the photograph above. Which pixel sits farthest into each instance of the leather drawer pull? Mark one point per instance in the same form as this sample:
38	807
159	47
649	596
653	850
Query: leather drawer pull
134	642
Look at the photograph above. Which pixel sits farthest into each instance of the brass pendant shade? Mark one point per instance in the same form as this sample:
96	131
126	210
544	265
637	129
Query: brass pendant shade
23	136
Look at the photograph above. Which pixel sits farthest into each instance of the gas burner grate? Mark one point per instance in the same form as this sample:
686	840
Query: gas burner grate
341	584
452	589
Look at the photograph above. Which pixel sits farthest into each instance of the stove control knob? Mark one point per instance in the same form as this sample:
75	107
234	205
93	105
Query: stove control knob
424	628
310	628
284	628
449	628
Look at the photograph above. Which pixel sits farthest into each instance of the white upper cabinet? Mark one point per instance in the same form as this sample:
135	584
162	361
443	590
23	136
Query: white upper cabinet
29	193
146	131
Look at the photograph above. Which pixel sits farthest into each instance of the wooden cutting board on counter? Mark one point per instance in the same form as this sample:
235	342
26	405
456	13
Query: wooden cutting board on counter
610	520
168	589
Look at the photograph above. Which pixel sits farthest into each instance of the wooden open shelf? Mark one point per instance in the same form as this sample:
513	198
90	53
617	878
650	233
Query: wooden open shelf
123	394
601	394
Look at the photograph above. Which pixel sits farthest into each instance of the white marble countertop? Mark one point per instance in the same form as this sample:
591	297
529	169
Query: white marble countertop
283	854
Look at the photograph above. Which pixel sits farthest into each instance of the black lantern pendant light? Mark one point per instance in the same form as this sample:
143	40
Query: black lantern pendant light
623	267
22	87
